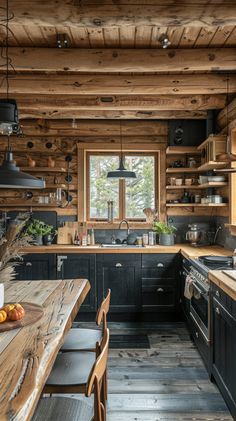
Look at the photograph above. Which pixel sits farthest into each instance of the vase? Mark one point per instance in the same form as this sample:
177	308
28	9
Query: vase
38	240
48	239
166	239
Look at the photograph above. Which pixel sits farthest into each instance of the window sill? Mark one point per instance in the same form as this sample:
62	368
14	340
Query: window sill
115	225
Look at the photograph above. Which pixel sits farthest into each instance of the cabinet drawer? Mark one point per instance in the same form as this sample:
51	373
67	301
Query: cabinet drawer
115	260
160	261
158	297
155	281
221	297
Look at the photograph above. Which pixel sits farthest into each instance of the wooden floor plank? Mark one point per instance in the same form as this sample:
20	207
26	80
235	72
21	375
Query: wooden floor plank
167	382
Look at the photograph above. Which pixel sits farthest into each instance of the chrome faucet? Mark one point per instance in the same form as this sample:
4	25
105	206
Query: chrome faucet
121	222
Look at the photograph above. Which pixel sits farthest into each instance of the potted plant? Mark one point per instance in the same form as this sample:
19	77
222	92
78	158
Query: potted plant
41	232
166	233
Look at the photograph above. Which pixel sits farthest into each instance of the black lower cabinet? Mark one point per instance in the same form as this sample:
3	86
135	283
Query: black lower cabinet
37	267
160	283
120	273
223	364
80	266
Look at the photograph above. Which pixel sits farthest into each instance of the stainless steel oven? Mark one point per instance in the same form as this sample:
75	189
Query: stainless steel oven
200	304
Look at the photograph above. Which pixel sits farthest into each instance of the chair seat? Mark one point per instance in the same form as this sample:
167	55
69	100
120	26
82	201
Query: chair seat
81	339
62	408
71	368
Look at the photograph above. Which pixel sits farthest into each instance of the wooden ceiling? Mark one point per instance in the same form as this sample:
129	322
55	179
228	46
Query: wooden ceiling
115	66
122	37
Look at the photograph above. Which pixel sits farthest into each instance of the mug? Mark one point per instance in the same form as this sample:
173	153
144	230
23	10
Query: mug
189	181
179	181
172	181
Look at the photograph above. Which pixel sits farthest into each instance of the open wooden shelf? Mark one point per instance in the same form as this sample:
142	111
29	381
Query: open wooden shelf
43	169
198	205
212	165
173	170
197	187
182	150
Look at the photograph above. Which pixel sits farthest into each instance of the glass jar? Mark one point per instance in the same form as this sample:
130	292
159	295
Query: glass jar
192	162
139	241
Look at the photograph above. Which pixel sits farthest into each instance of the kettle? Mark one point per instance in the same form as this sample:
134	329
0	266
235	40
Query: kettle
193	235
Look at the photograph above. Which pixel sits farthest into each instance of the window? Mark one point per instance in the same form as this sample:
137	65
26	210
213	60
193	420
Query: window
129	196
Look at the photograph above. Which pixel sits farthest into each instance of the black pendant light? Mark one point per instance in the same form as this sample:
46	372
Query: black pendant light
10	174
121	171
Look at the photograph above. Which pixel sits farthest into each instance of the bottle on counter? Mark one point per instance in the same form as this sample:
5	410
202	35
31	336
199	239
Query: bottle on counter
152	238
92	237
110	211
88	238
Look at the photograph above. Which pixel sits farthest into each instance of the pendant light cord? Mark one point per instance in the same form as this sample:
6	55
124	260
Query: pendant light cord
121	146
7	47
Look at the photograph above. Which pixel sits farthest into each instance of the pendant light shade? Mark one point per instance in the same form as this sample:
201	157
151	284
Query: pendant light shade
12	177
121	171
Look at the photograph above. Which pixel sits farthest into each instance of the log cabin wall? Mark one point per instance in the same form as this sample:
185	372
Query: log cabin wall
114	68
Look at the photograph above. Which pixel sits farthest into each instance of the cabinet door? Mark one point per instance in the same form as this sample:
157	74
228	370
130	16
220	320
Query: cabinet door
81	266
224	352
120	273
159	296
37	267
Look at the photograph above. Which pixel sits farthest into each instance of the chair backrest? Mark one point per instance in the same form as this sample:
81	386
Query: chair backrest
96	377
103	310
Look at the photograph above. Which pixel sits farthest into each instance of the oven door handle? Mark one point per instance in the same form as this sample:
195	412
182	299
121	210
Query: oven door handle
199	290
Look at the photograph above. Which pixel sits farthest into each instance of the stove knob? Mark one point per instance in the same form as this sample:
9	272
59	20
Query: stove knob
217	293
197	334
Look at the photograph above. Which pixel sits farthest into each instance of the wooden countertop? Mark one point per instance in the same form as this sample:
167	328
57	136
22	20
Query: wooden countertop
27	354
227	284
186	250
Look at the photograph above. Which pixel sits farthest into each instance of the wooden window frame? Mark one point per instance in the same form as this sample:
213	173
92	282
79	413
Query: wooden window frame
85	150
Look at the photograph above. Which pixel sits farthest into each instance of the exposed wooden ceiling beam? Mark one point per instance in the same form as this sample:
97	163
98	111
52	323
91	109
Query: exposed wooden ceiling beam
69	107
117	114
81	128
76	13
121	60
119	85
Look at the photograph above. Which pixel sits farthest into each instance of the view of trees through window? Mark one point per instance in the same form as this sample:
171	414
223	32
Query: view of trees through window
137	193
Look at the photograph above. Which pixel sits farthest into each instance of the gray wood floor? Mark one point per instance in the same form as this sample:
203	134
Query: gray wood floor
167	382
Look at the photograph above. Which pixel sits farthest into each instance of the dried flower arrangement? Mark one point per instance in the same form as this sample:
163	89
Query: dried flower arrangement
11	244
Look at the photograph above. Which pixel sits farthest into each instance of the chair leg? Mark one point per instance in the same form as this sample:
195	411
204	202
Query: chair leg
105	385
103	411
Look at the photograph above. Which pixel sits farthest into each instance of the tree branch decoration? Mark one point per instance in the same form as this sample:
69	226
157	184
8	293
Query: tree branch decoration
11	244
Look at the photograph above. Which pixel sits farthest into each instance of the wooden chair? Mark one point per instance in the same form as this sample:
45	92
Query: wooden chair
79	372
86	339
63	408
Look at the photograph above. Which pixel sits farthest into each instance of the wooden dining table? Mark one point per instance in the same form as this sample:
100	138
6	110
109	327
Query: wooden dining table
27	353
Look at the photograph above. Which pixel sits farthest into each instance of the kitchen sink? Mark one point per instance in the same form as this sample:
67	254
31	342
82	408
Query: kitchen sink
121	246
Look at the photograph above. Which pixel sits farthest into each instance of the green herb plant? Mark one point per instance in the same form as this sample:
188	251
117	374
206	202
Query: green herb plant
37	227
162	228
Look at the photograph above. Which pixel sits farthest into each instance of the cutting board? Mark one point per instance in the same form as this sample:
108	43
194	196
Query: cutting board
230	273
65	235
33	313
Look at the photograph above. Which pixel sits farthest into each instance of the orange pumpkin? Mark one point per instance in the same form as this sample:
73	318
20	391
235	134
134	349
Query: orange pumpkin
8	308
17	313
3	316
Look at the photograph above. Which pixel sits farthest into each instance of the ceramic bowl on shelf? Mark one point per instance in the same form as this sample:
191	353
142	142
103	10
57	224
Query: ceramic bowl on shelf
216	178
202	179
